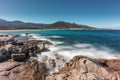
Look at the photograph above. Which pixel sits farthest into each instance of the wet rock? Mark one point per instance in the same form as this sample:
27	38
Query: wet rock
47	42
23	49
3	57
14	51
52	63
3	51
8	54
41	46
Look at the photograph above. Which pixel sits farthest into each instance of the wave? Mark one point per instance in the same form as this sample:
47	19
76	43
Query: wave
3	34
55	36
58	55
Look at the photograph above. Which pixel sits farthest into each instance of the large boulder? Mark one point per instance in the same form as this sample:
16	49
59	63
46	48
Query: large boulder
30	70
84	68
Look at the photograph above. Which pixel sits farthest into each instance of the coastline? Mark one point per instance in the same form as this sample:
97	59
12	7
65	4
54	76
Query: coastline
54	29
103	69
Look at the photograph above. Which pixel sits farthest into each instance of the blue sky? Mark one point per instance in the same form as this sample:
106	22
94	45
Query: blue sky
100	13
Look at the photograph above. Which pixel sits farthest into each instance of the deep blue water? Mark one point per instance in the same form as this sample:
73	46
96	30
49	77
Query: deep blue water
98	38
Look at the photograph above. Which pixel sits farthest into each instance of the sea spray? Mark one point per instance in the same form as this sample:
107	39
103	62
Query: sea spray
57	55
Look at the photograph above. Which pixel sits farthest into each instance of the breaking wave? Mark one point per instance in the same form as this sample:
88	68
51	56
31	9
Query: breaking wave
55	36
57	55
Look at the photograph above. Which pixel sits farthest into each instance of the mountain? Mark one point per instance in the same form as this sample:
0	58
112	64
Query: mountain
4	24
2	20
68	25
19	24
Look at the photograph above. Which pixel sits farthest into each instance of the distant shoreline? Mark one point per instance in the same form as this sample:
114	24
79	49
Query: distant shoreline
52	29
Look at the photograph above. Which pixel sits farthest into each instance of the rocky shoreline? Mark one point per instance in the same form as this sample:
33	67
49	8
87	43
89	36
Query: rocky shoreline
16	63
19	47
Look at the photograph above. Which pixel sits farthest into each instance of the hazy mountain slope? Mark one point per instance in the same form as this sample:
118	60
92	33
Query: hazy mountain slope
4	24
2	20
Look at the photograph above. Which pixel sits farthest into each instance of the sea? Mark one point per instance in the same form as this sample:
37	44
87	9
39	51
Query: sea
98	44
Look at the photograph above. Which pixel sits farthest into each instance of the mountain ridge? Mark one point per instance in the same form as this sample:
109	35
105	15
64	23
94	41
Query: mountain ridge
3	20
16	24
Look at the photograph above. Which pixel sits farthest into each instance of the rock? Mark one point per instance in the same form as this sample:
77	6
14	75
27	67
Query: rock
18	57
3	57
84	68
21	38
41	46
5	37
23	50
112	63
21	44
1	43
8	66
52	63
8	54
5	73
48	42
3	51
30	70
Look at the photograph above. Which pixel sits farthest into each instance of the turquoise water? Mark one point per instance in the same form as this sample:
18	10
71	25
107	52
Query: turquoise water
85	42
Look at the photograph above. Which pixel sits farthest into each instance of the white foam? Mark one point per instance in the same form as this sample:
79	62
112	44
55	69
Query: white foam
55	36
58	42
3	34
60	54
68	52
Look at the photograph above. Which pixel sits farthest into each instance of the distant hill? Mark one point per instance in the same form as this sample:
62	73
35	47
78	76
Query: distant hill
2	20
67	25
4	24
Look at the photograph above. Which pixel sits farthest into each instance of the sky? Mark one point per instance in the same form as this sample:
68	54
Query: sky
97	13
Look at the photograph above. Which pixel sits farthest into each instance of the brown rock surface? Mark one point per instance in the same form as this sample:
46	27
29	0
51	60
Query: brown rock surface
5	37
83	68
31	70
112	63
18	57
41	46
